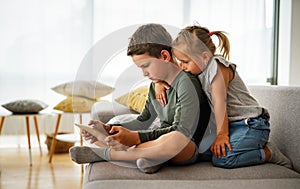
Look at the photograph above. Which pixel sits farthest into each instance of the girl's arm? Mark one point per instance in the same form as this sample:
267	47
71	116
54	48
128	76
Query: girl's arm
219	99
160	92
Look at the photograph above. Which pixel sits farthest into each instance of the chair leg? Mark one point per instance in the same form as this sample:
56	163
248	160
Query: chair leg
53	143
37	133
1	123
28	137
81	142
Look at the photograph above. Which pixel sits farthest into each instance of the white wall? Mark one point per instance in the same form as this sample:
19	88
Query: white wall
289	43
295	44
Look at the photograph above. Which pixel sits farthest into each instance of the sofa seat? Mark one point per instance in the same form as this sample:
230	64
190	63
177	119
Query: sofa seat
199	171
200	175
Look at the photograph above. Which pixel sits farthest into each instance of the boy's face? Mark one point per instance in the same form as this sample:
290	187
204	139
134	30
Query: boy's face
152	67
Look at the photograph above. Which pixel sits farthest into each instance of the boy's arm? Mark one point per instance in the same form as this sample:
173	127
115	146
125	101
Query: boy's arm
219	99
126	132
187	108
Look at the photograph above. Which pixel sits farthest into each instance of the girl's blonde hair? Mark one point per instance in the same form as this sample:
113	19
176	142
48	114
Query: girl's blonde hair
203	34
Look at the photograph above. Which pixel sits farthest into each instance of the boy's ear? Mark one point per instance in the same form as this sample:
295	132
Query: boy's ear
165	55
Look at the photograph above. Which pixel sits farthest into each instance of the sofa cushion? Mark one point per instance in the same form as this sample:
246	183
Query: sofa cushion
196	184
199	171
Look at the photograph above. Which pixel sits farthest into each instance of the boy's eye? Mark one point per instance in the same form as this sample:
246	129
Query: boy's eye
144	65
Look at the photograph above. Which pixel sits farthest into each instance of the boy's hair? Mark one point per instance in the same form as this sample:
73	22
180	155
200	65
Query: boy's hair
150	39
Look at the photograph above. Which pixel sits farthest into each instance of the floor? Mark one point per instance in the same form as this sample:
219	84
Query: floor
15	171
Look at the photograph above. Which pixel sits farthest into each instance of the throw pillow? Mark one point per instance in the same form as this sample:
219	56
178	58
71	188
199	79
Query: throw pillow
75	104
135	99
26	106
88	89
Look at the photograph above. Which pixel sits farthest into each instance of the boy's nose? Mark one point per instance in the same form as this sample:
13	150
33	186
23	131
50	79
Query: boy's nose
145	73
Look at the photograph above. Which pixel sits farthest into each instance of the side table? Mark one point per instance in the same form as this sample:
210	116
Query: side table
26	116
59	115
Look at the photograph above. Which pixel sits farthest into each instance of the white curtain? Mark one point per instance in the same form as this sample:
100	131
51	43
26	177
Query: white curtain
43	43
249	24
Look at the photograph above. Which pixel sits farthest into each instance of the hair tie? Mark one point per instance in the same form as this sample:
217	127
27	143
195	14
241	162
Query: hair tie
211	33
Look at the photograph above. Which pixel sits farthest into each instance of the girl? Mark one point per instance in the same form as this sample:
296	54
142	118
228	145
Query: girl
242	124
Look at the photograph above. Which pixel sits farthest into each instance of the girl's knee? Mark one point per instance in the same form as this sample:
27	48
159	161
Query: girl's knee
228	162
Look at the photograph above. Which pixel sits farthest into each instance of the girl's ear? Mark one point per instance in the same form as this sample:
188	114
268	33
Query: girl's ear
165	55
206	56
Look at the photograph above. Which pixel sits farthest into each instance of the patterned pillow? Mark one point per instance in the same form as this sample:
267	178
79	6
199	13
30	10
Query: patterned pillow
26	106
135	99
75	104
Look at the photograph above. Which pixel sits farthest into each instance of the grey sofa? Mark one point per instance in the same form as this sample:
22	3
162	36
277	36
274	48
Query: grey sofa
284	106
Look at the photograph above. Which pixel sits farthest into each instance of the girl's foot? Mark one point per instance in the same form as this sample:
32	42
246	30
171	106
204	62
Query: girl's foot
277	157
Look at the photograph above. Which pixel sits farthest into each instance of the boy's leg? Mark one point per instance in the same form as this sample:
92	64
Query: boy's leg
172	146
187	155
248	140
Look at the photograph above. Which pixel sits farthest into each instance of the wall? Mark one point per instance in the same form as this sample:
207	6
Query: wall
295	44
289	43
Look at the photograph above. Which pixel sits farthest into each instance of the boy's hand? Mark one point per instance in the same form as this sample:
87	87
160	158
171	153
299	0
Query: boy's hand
123	136
160	91
219	146
87	136
99	126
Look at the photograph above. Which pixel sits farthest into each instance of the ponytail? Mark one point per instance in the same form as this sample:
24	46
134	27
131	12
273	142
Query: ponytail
204	35
224	44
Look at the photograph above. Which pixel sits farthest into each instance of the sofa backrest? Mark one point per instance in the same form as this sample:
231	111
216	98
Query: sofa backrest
283	103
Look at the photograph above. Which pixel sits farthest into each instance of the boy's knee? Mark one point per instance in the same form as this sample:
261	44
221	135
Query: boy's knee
173	142
228	162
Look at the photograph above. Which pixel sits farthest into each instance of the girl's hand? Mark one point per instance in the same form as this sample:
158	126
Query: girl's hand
219	146
123	136
160	91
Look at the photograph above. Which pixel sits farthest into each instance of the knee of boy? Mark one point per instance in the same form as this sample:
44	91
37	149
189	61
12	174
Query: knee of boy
228	162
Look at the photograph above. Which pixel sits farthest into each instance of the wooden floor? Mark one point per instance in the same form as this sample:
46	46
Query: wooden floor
15	171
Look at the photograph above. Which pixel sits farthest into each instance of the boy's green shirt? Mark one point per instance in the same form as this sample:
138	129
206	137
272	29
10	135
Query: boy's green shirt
181	113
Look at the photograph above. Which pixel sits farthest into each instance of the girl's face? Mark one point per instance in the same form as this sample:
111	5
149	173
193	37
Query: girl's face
187	64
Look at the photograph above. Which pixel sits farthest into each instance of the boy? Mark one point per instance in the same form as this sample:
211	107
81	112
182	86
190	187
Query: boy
183	120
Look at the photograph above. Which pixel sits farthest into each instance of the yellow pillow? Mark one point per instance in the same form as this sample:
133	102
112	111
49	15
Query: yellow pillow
75	104
135	99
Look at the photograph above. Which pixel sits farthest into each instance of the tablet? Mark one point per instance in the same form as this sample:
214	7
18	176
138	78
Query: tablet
100	135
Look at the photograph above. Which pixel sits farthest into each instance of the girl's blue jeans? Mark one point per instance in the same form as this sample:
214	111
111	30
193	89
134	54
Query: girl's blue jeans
247	138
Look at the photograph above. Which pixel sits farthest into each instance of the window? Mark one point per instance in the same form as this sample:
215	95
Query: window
43	43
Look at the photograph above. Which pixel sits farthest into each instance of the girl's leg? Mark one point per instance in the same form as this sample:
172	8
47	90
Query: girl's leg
248	140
